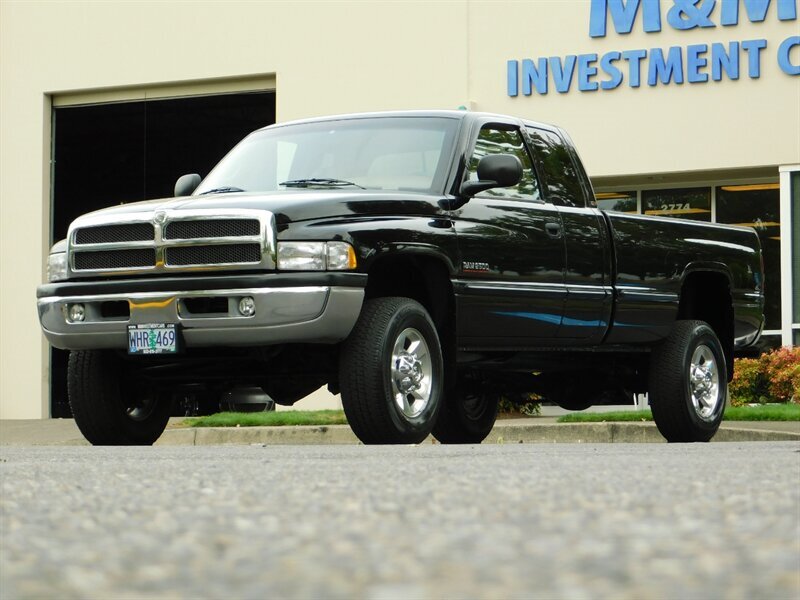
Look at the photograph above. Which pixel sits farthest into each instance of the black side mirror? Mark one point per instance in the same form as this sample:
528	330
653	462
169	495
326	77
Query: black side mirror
495	170
186	184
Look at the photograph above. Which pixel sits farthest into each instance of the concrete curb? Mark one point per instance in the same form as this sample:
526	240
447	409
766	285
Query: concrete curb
754	435
542	430
506	433
302	435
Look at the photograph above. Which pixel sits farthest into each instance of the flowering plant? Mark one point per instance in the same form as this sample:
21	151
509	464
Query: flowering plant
772	377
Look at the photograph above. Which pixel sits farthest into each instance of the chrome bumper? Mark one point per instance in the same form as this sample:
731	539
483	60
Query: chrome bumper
323	314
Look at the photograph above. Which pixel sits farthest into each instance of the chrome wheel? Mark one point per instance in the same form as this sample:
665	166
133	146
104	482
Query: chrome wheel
704	387
391	372
688	382
411	373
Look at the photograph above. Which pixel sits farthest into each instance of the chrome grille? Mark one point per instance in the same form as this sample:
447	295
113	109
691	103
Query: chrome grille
134	258
167	241
184	256
108	234
211	228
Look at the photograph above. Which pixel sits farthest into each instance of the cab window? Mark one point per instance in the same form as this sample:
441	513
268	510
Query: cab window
561	179
493	140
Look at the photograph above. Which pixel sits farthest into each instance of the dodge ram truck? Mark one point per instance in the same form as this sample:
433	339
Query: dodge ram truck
425	265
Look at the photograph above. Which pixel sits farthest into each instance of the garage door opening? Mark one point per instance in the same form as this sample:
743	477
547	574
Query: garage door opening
107	154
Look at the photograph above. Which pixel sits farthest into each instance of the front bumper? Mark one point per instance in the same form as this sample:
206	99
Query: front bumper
288	309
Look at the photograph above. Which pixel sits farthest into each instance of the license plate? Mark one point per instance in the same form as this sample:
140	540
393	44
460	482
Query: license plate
153	338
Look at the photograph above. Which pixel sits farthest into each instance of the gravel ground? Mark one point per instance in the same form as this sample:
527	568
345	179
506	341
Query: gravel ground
508	521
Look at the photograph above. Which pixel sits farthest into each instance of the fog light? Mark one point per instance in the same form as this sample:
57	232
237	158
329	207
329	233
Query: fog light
76	313
247	306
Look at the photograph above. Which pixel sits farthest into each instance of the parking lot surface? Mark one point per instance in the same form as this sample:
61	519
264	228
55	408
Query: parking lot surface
570	521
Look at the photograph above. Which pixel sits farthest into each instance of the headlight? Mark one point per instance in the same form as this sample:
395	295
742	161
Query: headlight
301	256
57	266
316	256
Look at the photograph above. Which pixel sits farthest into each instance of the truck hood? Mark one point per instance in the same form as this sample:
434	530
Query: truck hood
293	205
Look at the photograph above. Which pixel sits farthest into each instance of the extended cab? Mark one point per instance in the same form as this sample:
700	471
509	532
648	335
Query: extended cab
423	264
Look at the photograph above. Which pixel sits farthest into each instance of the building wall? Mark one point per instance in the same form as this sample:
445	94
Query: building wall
332	57
667	128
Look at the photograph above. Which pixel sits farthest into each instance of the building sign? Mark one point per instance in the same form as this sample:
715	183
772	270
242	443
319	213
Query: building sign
695	63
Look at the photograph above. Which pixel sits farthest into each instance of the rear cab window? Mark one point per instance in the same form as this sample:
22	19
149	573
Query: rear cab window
554	159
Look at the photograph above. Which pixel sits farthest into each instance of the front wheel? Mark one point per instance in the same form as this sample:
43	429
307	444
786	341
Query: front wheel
688	383
110	408
390	373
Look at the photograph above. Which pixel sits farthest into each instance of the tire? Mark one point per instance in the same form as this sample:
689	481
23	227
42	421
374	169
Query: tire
391	373
468	413
109	408
688	383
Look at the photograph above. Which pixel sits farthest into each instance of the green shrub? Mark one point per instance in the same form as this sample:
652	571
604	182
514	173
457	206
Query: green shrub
529	405
782	371
773	377
748	385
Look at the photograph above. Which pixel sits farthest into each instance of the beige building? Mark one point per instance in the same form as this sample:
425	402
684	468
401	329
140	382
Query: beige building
695	112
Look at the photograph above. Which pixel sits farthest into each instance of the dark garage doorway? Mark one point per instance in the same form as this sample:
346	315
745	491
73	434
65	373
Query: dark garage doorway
107	154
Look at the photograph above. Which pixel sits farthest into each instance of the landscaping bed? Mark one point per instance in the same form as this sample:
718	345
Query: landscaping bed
770	412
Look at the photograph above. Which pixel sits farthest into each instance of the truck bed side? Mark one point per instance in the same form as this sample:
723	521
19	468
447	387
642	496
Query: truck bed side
665	268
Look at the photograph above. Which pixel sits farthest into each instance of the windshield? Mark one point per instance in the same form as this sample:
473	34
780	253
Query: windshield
379	153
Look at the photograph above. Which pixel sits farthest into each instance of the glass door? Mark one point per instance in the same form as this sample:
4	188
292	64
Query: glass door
790	251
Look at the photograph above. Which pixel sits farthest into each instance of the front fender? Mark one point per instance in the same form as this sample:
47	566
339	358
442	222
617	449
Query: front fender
375	238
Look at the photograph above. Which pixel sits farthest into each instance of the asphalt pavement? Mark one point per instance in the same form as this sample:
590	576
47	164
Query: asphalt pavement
573	521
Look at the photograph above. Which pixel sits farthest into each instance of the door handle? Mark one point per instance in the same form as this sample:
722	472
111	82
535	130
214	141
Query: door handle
553	229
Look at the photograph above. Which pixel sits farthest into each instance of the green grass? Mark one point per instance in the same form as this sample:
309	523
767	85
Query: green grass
619	415
269	419
773	412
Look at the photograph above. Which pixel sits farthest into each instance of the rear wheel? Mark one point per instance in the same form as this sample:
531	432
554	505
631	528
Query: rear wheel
390	373
111	408
468	413
688	383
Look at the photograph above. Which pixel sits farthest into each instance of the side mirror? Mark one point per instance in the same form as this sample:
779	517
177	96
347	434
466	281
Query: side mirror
495	170
186	184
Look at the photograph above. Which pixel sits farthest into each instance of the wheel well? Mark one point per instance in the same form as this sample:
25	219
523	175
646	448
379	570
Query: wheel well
426	280
423	279
707	296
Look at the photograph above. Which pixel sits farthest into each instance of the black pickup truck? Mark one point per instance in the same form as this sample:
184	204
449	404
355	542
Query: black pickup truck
423	264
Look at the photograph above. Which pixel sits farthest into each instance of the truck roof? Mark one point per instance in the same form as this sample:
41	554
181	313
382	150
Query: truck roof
447	114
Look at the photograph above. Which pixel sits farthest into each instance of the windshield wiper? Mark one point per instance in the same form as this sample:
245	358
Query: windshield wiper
320	181
222	190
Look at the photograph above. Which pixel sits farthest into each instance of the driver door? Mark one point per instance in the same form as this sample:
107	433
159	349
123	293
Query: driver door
510	284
